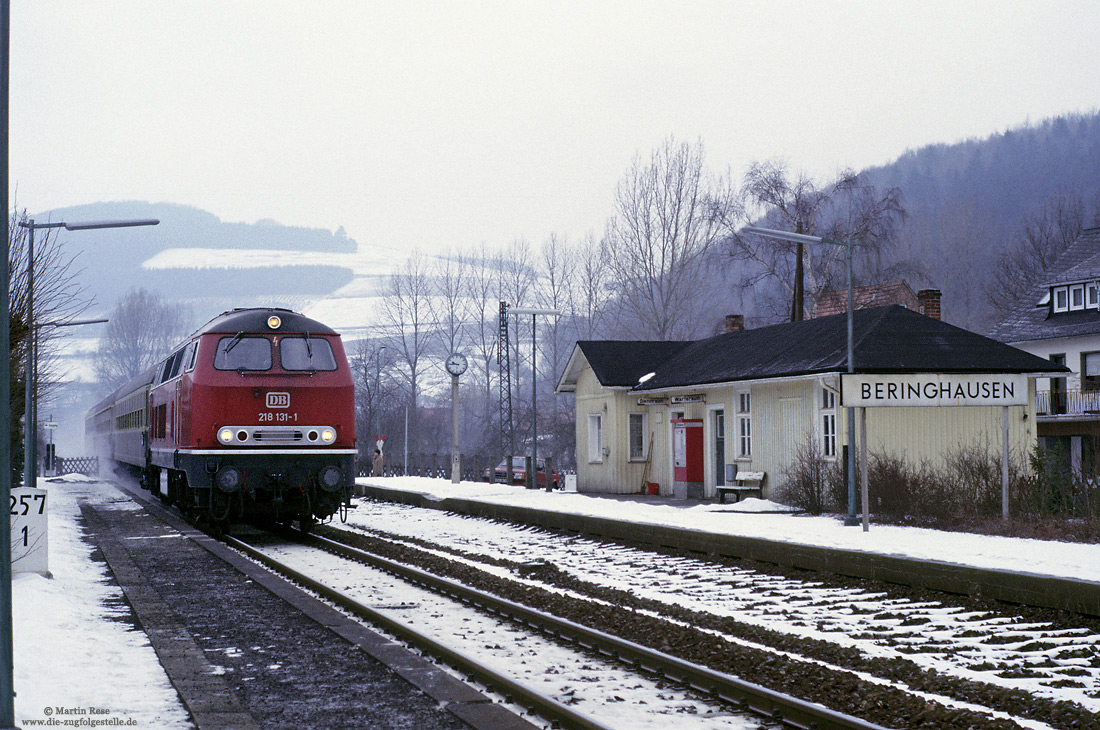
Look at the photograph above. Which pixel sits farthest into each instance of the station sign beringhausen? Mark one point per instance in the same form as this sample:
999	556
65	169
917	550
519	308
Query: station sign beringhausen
933	389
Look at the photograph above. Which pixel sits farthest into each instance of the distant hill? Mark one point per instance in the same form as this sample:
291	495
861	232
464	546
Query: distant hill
968	201
111	260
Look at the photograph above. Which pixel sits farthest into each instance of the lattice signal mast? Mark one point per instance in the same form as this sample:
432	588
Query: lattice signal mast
507	432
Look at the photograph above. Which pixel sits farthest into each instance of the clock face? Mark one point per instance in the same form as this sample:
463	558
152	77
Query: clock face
456	364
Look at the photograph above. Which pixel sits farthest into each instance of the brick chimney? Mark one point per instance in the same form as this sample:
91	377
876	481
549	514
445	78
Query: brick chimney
735	322
928	302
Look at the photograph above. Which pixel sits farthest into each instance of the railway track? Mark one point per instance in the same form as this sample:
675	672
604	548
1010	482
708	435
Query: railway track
1015	666
770	709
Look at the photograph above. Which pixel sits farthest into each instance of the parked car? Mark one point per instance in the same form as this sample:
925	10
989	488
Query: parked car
519	473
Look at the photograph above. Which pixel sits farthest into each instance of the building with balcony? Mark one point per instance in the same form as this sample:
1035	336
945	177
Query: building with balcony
1060	322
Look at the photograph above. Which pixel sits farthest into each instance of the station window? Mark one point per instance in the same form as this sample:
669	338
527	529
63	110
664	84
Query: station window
637	429
828	423
744	425
595	438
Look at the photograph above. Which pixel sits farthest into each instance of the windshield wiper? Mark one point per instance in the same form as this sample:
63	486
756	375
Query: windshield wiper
233	342
309	349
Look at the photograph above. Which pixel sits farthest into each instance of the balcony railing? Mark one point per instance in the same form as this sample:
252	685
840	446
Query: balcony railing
1067	402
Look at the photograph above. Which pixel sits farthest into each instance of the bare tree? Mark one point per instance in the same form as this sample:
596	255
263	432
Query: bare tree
407	309
1046	235
555	285
370	363
590	290
658	238
842	209
449	305
482	283
143	329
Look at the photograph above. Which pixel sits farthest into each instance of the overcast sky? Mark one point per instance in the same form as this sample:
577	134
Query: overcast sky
436	124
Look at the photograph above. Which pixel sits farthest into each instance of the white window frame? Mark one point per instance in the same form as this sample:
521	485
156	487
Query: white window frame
1092	295
595	438
1077	297
642	419
827	418
744	425
1060	293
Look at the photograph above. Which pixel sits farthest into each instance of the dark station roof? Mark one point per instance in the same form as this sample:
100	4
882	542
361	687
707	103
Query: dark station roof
255	320
1078	263
620	363
887	340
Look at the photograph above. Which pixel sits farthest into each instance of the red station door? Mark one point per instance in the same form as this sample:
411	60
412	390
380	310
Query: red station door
687	458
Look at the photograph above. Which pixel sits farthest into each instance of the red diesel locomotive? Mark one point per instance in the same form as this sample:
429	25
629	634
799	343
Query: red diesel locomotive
253	416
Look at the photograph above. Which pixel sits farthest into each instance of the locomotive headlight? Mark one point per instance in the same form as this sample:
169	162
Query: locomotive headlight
274	322
228	479
330	478
328	435
226	435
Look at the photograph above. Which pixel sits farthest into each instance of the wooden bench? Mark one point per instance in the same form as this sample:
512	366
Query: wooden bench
739	489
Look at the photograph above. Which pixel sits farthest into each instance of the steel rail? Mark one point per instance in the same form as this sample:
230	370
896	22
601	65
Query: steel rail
545	707
775	706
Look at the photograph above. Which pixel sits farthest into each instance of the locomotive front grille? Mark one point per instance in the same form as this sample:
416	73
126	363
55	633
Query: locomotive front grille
276	435
279	436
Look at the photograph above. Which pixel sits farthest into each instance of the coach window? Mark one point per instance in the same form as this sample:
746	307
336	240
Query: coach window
298	353
243	353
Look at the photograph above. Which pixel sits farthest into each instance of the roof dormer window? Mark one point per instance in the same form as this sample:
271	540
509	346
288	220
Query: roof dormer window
1077	297
1061	299
1092	296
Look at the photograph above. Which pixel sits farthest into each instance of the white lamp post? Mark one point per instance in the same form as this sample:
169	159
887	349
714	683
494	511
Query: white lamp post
802	238
30	432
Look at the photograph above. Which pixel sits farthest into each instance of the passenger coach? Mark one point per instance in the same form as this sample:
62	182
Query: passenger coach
253	416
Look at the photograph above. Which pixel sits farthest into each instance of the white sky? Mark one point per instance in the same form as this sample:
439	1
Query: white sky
437	124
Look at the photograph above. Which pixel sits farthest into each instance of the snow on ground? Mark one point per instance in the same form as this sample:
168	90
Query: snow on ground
72	649
759	518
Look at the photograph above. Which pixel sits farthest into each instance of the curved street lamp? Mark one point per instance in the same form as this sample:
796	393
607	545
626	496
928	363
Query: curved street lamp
30	431
851	520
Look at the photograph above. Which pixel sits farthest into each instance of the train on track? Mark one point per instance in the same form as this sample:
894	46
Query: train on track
251	418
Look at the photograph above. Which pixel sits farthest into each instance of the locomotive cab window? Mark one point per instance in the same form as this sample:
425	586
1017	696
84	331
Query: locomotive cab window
189	357
243	353
299	353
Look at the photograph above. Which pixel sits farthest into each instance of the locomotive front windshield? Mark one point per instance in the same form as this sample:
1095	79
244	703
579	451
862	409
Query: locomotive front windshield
301	353
256	353
243	353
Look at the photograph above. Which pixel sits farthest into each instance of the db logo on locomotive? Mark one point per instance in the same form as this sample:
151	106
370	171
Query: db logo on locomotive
278	400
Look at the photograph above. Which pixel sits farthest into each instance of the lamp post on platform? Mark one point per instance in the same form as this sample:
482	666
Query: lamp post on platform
851	520
533	473
30	432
